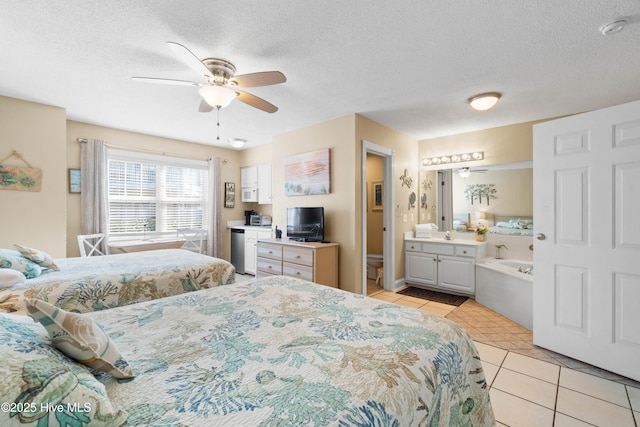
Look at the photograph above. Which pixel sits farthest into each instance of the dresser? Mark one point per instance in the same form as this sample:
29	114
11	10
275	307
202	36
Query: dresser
315	262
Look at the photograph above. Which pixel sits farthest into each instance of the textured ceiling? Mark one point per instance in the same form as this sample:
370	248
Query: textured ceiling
409	65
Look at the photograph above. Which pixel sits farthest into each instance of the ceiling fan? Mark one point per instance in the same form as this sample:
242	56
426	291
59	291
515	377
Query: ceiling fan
466	171
220	85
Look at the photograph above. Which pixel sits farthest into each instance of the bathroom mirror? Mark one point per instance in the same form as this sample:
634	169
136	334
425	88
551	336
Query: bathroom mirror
498	196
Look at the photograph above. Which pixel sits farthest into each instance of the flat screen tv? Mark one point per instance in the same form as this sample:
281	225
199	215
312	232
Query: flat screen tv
305	224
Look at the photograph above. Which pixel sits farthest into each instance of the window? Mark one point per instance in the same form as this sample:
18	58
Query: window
155	193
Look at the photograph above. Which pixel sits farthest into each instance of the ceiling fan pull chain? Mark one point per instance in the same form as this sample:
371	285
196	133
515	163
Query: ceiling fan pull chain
218	124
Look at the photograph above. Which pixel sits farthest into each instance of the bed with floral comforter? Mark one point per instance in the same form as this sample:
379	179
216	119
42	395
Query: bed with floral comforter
97	283
284	352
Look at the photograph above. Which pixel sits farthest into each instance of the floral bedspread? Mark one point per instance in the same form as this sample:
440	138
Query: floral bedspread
98	283
284	352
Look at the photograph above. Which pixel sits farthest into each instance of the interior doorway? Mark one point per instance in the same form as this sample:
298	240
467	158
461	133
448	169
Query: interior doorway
377	216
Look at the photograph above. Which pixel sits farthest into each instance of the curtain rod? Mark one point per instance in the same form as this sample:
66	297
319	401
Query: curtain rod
145	150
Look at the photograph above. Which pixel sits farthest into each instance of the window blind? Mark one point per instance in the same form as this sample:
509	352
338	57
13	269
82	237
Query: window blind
148	193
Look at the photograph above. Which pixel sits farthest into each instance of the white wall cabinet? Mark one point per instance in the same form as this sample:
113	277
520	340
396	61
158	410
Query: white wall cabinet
249	177
256	183
442	265
251	238
264	184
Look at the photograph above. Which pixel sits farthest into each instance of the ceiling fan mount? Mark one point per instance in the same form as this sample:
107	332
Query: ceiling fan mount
221	71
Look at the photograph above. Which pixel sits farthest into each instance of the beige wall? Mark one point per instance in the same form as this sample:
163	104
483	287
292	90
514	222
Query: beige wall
339	204
405	151
505	144
152	144
35	219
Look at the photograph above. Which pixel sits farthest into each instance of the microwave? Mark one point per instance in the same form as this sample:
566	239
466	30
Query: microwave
250	195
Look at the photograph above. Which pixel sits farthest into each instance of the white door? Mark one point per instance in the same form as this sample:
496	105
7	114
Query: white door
586	290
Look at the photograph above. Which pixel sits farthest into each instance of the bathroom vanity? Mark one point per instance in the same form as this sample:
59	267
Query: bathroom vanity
442	265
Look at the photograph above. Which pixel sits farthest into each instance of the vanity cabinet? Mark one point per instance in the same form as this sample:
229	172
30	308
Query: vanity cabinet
442	265
315	262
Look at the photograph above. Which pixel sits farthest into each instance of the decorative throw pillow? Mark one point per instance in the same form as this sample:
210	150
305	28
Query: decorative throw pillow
41	258
15	261
9	277
80	337
36	379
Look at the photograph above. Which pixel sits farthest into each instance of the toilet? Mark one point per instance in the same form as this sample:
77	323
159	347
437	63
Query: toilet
374	262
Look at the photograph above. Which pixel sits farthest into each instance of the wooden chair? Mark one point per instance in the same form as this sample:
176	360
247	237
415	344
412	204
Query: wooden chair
93	244
193	238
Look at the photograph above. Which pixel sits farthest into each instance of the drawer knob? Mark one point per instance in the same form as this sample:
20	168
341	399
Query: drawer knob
464	252
297	256
269	267
297	273
270	252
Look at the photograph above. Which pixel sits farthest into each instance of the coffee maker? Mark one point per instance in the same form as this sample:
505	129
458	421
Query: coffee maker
247	216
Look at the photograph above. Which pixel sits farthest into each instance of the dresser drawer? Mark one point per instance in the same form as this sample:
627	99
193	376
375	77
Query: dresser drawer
298	255
297	270
269	266
466	251
268	250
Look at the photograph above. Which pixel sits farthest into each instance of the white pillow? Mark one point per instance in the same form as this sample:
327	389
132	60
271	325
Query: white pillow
9	277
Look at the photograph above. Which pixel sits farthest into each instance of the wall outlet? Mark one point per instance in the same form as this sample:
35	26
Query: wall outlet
428	216
404	217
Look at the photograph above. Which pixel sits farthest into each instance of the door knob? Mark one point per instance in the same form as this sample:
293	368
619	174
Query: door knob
540	236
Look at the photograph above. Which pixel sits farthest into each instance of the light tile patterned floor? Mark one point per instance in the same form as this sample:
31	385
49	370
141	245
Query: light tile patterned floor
531	386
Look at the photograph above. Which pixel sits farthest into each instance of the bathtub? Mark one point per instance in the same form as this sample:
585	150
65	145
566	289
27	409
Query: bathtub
505	290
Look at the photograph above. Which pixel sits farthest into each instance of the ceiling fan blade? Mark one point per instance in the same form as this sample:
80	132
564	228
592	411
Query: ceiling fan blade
256	102
189	58
165	81
264	78
204	107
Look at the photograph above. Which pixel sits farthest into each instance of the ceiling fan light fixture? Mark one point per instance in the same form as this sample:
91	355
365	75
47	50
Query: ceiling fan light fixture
484	101
237	142
217	96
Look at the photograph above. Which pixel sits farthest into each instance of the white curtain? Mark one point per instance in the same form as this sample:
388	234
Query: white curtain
93	173
214	236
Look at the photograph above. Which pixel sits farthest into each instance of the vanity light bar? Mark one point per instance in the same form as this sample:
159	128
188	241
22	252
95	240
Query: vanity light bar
453	158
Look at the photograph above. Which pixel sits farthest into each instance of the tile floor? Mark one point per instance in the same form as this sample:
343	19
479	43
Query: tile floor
530	386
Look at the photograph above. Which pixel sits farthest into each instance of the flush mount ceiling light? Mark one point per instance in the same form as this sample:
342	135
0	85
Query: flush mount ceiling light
613	27
484	101
237	142
453	158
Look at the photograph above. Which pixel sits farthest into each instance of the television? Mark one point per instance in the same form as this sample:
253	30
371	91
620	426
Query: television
305	224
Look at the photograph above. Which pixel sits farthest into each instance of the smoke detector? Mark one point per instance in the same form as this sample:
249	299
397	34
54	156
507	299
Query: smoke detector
613	27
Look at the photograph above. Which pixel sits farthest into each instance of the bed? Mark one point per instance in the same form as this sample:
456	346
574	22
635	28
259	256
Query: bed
461	222
278	351
513	225
101	282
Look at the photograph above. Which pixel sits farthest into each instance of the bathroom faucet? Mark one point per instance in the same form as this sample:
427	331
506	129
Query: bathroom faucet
498	247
